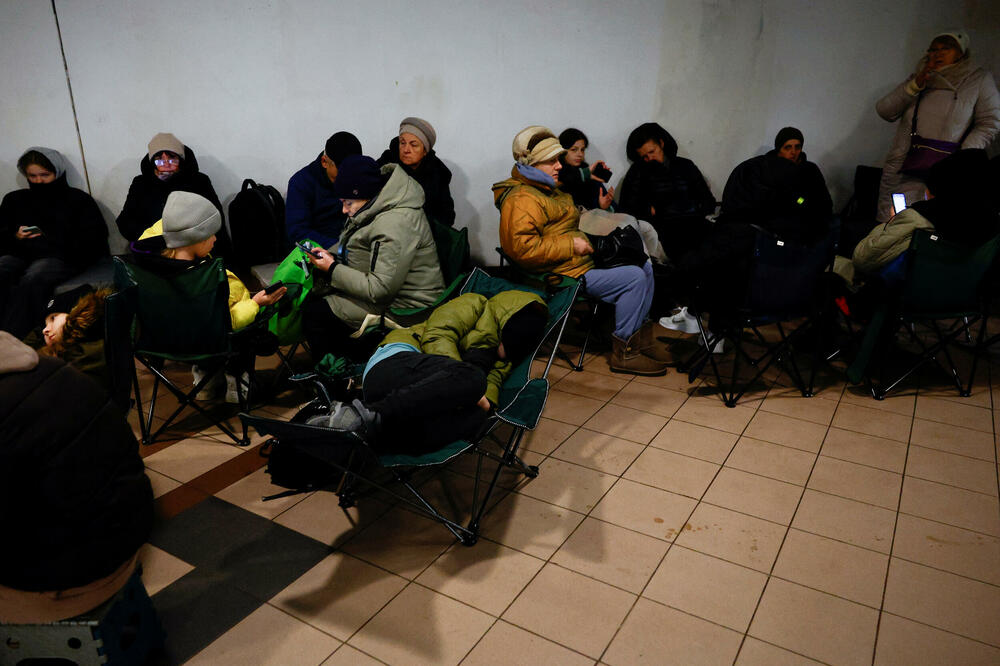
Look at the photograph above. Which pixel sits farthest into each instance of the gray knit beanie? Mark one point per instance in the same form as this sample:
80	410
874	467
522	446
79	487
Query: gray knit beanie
189	218
421	129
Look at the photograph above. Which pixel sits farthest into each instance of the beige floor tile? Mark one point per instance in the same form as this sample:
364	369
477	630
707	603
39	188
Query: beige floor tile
673	472
570	609
815	624
954	506
953	439
591	385
832	566
712	413
546	436
529	525
872	421
248	491
268	636
818	411
626	423
943	600
902	642
596	450
504	644
708	587
653	399
556	372
568	485
954	413
845	520
639	507
160	568
757	495
319	516
401	542
350	656
190	458
488	576
886	454
785	430
758	653
695	441
732	536
674	380
421	626
570	408
897	402
772	460
858	482
655	634
161	484
953	470
950	548
611	554
339	594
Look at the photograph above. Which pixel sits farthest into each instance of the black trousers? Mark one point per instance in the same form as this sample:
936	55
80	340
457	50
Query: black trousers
325	333
425	401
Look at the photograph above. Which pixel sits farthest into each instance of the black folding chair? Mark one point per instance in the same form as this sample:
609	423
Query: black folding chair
521	401
783	290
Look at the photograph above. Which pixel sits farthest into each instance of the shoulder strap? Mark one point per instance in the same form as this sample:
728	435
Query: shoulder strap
916	107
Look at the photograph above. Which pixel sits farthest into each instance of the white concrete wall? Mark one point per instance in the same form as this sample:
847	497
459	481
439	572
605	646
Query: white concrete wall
256	87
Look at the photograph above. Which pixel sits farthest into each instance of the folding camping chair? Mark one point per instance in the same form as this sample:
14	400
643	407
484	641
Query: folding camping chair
183	318
783	288
522	399
943	281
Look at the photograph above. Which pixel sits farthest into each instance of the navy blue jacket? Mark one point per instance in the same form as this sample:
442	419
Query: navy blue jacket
311	209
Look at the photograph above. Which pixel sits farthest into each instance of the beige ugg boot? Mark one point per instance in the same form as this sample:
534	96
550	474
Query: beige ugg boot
652	346
626	356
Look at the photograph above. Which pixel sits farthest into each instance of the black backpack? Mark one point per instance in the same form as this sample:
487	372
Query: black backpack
257	225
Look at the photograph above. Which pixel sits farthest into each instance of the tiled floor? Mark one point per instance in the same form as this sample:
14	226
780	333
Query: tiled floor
663	528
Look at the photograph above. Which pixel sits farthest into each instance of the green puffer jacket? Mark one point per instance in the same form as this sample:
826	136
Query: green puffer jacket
391	259
468	322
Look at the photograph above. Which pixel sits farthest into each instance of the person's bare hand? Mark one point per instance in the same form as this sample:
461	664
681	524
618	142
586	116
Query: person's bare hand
263	298
604	200
484	404
321	259
582	246
22	234
921	78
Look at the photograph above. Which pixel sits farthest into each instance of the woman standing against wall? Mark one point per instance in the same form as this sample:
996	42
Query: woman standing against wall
947	104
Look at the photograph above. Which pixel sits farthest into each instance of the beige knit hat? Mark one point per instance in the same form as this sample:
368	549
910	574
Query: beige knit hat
536	144
165	141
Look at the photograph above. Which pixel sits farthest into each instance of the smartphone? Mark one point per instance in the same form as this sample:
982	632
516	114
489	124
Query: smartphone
603	173
307	249
271	288
31	230
898	203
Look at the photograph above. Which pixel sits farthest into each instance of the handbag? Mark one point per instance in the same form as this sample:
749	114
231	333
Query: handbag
622	247
924	153
297	274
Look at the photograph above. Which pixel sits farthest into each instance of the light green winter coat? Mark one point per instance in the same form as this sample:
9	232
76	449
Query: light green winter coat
391	259
470	321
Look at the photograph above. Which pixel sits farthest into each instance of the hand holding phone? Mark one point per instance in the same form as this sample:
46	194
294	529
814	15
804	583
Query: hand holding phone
28	231
601	172
271	288
308	250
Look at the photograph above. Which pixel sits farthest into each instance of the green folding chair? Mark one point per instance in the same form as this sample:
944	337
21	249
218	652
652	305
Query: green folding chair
522	399
943	281
183	318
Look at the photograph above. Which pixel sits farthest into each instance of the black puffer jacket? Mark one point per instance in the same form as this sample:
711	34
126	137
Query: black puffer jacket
147	195
675	188
787	198
74	498
434	177
72	226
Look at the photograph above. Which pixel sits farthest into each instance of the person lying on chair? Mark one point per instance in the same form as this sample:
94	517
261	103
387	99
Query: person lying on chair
436	382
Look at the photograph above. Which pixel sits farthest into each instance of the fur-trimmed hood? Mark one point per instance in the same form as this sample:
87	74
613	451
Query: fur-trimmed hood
84	323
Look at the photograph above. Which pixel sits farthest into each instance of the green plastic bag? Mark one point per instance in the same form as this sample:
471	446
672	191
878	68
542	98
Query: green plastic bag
296	271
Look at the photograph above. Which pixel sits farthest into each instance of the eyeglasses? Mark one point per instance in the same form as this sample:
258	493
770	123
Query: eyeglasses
164	161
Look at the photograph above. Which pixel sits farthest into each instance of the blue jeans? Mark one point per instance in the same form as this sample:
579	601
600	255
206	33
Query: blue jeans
25	289
629	288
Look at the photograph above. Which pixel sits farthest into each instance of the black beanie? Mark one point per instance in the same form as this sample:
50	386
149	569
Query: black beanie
523	331
358	177
65	301
340	145
786	133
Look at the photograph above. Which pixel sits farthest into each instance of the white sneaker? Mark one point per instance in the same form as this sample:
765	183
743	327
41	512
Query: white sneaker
210	390
720	346
232	396
681	320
